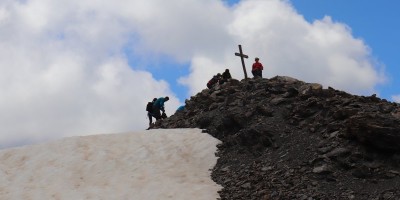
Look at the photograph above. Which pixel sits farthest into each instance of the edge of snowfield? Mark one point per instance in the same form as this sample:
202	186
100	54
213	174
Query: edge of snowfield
154	164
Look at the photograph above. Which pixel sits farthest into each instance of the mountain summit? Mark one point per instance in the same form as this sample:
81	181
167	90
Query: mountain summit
283	138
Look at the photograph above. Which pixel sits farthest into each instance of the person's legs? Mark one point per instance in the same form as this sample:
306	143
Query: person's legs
255	73
150	118
259	72
157	113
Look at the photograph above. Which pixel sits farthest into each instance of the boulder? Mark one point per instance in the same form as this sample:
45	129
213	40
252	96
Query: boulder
379	130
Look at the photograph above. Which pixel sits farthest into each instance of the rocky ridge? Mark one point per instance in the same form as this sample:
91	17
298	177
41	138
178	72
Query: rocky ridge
283	138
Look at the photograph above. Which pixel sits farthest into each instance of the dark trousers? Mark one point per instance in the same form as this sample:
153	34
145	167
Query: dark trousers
156	112
150	115
256	73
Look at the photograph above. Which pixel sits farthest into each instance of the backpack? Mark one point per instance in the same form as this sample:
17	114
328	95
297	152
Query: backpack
149	107
211	82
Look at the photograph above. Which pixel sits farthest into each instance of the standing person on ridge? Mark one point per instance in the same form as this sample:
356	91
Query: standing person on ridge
257	68
159	106
150	111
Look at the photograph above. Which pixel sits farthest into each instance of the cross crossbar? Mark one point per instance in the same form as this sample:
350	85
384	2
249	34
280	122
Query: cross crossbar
241	55
244	56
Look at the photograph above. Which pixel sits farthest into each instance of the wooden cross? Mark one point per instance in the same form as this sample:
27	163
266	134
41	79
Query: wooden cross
241	57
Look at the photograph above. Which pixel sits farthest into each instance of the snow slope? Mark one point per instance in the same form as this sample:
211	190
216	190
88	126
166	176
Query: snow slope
155	164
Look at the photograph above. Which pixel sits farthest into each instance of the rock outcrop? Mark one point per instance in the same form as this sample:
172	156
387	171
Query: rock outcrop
287	139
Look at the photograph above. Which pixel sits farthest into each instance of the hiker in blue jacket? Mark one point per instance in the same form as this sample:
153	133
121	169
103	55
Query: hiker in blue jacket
159	106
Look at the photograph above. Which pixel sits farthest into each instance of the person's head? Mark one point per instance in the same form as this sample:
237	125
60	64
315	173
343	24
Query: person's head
226	70
218	74
166	98
155	99
256	59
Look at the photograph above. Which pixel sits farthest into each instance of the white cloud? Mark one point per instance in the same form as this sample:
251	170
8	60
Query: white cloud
65	70
323	51
66	98
396	98
64	73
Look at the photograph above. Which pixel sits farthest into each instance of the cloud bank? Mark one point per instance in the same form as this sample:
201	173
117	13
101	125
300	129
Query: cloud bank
396	98
323	51
74	67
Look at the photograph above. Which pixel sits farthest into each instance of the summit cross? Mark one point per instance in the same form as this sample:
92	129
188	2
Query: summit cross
241	57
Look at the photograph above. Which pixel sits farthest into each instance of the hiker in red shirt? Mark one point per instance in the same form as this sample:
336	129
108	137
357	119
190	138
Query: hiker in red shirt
215	79
257	68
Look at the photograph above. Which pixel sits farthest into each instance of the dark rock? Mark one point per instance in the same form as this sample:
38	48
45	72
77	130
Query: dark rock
291	92
378	130
361	172
286	139
310	88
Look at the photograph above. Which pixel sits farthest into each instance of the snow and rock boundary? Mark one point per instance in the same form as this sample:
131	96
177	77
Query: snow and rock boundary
283	138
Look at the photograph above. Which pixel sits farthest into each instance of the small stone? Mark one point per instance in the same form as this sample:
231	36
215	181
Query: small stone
277	100
225	169
302	197
389	175
324	169
314	183
324	149
394	172
388	195
334	134
246	186
372	165
273	194
226	181
338	152
264	169
351	196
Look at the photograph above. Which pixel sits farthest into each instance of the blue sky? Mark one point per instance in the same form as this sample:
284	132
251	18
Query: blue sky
72	67
375	22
